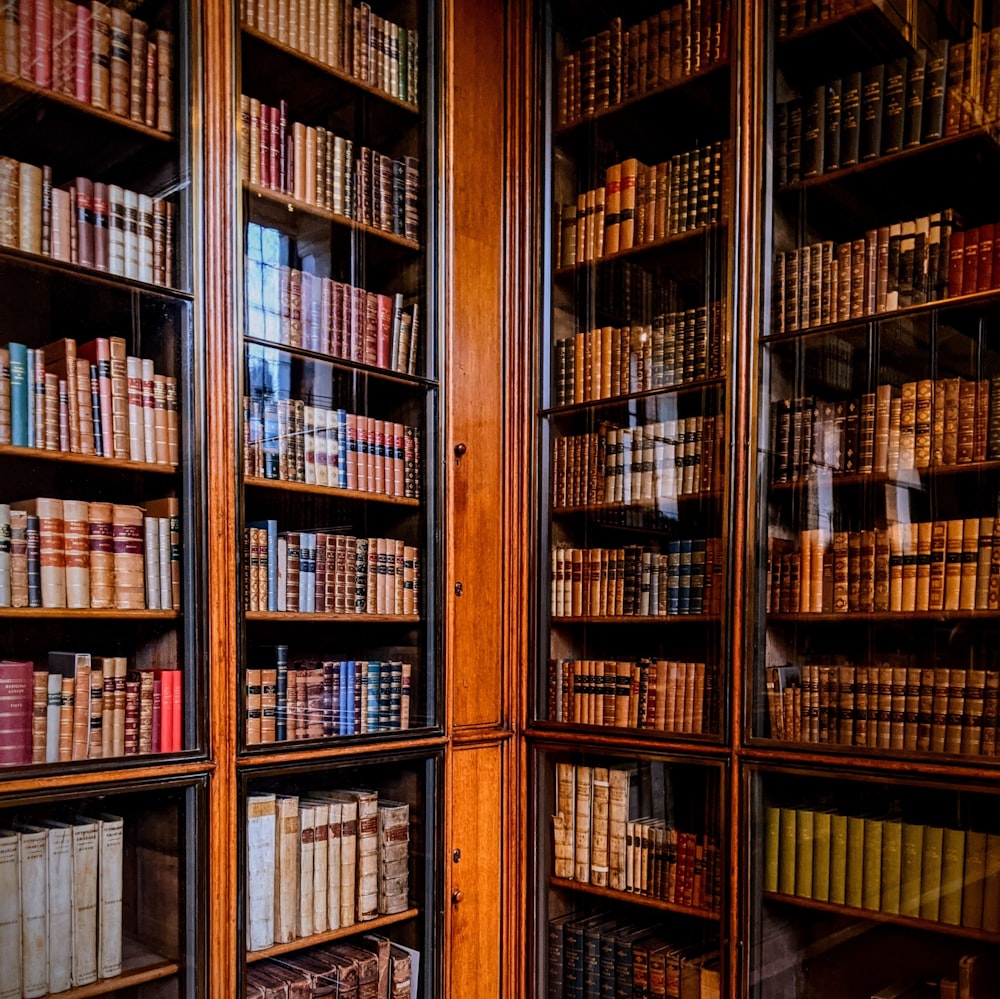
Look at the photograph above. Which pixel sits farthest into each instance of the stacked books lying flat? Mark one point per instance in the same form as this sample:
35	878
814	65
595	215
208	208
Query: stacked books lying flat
70	553
640	204
323	861
676	348
315	572
60	903
645	463
951	565
316	699
347	37
324	170
370	965
292	307
653	694
598	841
292	442
96	54
923	424
89	223
619	64
892	267
601	955
638	581
890	703
88	398
943	875
87	707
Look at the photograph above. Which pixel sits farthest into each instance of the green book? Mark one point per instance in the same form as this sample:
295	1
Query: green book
855	860
930	873
772	832
838	858
871	886
786	854
805	825
974	876
892	860
909	877
991	885
821	856
952	875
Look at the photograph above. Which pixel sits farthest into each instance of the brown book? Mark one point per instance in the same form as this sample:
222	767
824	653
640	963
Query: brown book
939	709
954	531
966	432
970	562
52	555
922	423
955	712
127	541
907	426
972	723
924	531
937	565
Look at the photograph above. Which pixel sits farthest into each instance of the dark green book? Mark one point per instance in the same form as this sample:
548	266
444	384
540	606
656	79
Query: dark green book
850	119
935	81
872	84
916	76
814	132
893	106
831	141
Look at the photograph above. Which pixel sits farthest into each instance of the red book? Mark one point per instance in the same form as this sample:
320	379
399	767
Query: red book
970	265
984	272
283	145
42	62
274	129
84	222
16	682
956	259
26	39
176	718
156	733
81	84
383	342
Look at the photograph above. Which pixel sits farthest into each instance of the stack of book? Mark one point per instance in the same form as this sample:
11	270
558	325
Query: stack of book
88	223
346	37
619	64
60	903
317	572
315	699
323	861
96	54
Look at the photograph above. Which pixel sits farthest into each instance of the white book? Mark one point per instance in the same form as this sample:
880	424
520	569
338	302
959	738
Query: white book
86	860
309	442
166	582
52	709
282	573
260	870
285	869
34	911
116	229
333	865
321	430
307	829
59	895
144	224
109	925
136	418
130	246
76	534
321	859
61	222
151	553
10	915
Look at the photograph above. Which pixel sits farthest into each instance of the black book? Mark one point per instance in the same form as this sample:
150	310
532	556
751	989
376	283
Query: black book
872	82
796	111
556	932
623	960
935	78
831	143
907	250
592	935
814	132
850	119
953	89
781	145
573	954
893	106
852	431
916	78
607	959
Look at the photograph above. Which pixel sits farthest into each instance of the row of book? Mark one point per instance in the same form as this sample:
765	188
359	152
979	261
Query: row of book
95	53
887	704
921	425
619	64
674	349
644	463
70	553
796	15
318	572
634	292
87	707
370	965
322	861
87	223
883	109
944	875
951	565
60	903
325	170
974	977
298	309
655	695
603	955
637	581
350	38
317	699
598	841
640	204
290	441
88	398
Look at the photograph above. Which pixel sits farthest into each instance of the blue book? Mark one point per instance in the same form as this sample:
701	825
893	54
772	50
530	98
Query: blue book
281	693
673	576
271	526
684	583
698	576
347	698
373	693
18	394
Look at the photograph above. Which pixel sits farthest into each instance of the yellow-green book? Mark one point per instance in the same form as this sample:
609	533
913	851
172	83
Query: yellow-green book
892	858
804	832
838	859
821	856
991	885
871	888
772	831
973	879
909	876
930	873
786	854
855	860
952	874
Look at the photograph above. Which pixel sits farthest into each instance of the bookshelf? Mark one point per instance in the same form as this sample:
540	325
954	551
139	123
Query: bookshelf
104	772
339	675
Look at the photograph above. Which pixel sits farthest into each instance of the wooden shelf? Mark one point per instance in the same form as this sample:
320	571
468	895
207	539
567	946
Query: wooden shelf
17	84
330	618
333	491
89	613
95	461
354	929
888	617
138	966
642	619
651	506
647	901
290	204
325	68
907	478
278	754
876	916
681	389
632	738
84	774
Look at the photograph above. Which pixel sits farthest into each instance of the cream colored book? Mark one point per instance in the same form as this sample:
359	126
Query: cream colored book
285	868
86	859
564	833
307	856
582	808
333	864
599	861
260	887
10	915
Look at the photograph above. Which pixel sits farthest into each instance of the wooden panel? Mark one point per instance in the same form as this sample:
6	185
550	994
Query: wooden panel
477	831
